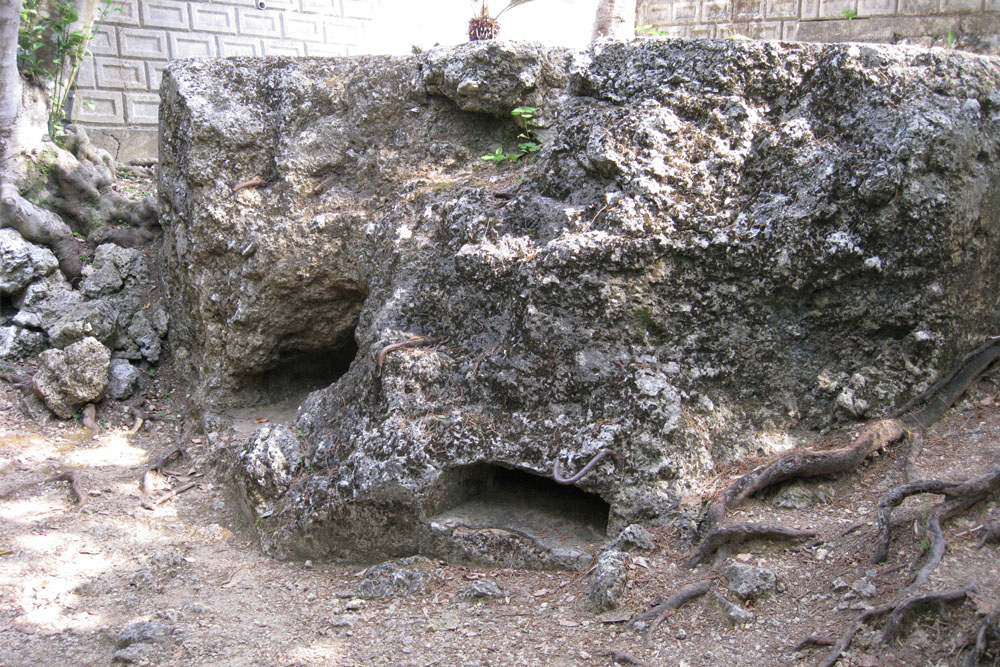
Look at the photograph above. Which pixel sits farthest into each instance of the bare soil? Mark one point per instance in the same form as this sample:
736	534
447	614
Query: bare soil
72	577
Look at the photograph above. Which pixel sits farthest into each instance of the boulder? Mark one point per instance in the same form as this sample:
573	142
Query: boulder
17	342
69	379
717	240
400	578
610	580
112	305
122	379
22	262
749	582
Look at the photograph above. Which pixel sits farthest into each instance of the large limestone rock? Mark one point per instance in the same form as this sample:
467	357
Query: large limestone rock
721	248
69	379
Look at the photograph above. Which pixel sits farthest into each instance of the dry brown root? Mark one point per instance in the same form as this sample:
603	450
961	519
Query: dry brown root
916	444
798	464
75	485
814	640
892	499
662	610
928	407
898	610
177	449
736	534
987	634
959	497
991	533
622	657
22	383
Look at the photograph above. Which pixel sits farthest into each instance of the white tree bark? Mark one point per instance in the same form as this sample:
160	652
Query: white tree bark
615	20
10	81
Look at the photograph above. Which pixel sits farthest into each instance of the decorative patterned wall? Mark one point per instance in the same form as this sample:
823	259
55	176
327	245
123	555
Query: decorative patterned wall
117	88
922	21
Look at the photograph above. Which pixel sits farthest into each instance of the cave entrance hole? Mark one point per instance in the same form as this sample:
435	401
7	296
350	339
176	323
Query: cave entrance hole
553	517
299	372
276	394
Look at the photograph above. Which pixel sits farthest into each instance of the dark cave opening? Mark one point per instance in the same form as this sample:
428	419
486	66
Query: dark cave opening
489	495
299	372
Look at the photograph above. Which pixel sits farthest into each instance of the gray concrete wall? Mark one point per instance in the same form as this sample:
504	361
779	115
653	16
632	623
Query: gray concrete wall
926	22
117	88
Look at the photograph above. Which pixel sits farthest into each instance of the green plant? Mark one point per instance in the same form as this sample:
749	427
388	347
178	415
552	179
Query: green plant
849	14
951	39
528	141
649	31
49	51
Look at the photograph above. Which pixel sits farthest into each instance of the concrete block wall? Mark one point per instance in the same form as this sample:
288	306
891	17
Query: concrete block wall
925	22
117	96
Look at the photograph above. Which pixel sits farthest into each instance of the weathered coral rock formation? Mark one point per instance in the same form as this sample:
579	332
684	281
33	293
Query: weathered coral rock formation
721	248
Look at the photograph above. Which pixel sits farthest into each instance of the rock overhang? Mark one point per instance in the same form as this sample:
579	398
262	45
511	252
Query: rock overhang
720	244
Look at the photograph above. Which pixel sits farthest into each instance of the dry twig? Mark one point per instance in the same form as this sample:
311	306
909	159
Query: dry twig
75	485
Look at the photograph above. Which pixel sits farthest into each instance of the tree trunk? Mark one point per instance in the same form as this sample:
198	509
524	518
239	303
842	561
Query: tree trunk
10	82
615	20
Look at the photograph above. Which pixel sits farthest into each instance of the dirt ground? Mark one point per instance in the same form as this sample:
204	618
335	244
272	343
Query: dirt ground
72	576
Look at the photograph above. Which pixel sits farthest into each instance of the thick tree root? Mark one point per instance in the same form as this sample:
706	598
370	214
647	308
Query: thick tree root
43	227
662	610
75	485
924	410
988	634
898	610
798	464
736	534
960	496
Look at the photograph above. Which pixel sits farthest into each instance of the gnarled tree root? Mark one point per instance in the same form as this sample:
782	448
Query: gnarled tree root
797	464
960	496
662	610
898	610
75	485
177	449
735	534
987	634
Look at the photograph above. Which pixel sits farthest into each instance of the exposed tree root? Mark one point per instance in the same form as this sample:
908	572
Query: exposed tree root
915	439
662	610
735	534
991	533
22	383
925	409
43	227
622	657
911	419
898	610
814	640
960	496
892	499
804	463
988	634
75	485
177	449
